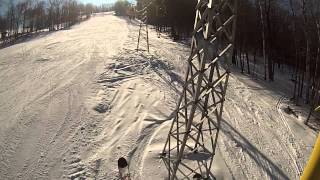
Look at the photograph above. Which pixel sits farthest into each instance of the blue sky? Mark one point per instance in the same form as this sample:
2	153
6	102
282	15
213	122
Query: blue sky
99	2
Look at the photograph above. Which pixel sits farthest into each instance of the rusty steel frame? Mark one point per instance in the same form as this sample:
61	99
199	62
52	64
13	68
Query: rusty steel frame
192	139
143	23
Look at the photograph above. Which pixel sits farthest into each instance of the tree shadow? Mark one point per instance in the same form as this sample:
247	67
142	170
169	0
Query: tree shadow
22	38
160	121
159	67
135	22
186	173
199	156
314	122
96	168
262	160
267	165
281	86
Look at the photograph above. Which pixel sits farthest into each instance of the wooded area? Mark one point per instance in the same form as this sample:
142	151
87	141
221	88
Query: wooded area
173	16
286	36
26	16
270	34
278	34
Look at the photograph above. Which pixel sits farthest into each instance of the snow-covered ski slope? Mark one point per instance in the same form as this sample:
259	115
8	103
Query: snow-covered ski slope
72	102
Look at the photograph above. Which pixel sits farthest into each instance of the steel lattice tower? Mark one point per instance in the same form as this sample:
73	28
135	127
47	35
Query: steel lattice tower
192	139
142	24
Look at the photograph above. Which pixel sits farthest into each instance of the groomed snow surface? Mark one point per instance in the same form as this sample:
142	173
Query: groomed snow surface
73	101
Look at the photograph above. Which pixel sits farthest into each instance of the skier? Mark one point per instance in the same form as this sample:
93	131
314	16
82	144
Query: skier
123	169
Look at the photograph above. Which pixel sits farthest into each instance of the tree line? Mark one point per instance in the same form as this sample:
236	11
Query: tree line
276	34
27	16
286	36
173	16
271	34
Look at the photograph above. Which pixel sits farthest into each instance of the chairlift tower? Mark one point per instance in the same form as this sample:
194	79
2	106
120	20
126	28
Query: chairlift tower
191	143
143	27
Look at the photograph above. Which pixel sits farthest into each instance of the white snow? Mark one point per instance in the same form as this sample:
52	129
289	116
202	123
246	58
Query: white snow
72	102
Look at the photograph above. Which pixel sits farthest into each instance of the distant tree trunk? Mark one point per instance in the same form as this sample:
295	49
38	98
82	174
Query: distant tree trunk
301	84
295	91
318	53
248	63
24	23
241	61
254	61
10	16
263	40
315	99
234	57
298	84
296	76
269	40
308	78
306	33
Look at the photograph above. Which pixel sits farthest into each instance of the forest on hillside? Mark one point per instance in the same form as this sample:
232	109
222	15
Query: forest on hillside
284	34
20	17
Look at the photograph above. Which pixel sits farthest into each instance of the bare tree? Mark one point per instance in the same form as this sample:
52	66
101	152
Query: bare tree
307	39
40	15
262	18
55	13
11	18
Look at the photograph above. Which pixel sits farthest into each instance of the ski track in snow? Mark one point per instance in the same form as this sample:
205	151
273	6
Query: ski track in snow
74	101
46	121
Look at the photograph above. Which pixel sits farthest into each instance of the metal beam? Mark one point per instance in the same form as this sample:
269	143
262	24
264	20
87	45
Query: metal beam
194	130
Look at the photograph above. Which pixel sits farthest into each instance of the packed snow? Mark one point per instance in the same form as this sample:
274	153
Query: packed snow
74	101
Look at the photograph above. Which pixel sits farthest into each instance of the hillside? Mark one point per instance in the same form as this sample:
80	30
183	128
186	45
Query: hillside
73	101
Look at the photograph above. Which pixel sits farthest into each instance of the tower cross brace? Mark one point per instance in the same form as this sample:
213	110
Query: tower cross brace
143	27
192	139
